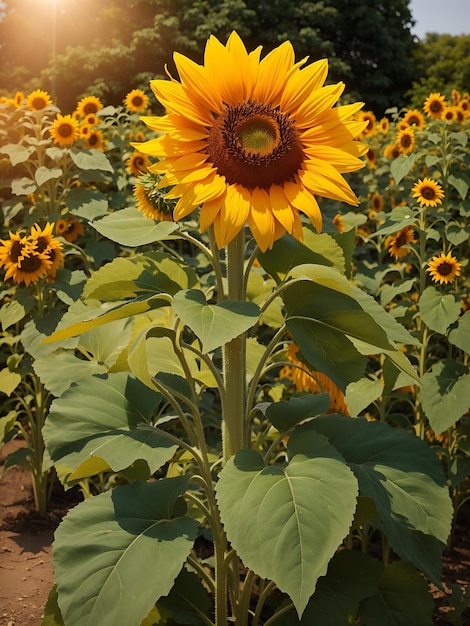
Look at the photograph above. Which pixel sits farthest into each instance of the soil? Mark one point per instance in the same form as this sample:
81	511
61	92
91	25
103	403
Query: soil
26	574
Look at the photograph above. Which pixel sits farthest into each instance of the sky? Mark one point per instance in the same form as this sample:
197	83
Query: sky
440	16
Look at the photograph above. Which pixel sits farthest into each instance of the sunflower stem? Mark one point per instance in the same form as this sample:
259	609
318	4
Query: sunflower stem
234	401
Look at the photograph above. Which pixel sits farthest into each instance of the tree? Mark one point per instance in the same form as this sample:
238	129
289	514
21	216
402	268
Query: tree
443	62
116	45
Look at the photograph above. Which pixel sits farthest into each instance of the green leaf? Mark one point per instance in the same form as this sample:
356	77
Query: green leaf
17	153
286	522
87	203
129	227
401	166
438	311
7	422
43	174
403	599
445	394
360	394
404	478
91	160
214	324
460	184
351	578
460	335
16	309
187	600
287	414
100	417
57	371
115	554
389	292
9	381
52	614
288	252
456	233
23	186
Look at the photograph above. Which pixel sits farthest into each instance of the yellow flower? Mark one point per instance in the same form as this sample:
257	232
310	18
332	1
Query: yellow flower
87	105
64	130
413	117
338	222
391	151
136	101
38	100
371	158
253	141
18	99
94	139
310	380
47	244
406	140
434	105
384	125
444	268
398	244
91	119
22	261
369	117
138	163
377	202
70	228
150	198
428	192
449	113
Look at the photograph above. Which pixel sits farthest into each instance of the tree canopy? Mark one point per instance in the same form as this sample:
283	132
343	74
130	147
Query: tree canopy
110	47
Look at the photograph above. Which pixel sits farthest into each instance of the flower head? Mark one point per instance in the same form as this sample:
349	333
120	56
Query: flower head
398	244
252	141
428	192
136	101
413	117
150	199
138	163
47	244
22	261
38	100
94	139
406	140
444	268
434	105
70	228
384	125
64	130
377	202
89	104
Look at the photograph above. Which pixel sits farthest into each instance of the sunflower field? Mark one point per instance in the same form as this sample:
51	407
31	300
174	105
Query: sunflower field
242	328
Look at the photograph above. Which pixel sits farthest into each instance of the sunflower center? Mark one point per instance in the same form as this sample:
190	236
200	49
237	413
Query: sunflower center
406	141
65	130
38	104
436	106
255	145
445	269
428	193
137	101
90	107
30	264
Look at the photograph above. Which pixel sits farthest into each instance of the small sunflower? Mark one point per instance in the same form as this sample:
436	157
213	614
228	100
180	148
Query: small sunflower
413	117
371	158
391	151
377	202
252	141
18	98
22	261
136	101
138	163
47	244
91	119
434	105
449	114
150	199
398	244
64	130
305	379
87	105
384	125
94	139
338	222
428	192
406	140
70	228
369	117
444	268
38	100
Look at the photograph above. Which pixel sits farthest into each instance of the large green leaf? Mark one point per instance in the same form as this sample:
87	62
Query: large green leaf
187	600
351	578
403	599
404	478
445	394
130	227
286	414
401	166
91	160
438	311
460	335
100	417
214	324
87	203
115	554
286	522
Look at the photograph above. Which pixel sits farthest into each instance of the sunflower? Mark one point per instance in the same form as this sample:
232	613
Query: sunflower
444	268
338	222
87	105
91	119
398	244
18	98
38	100
136	101
309	380
413	117
391	151
150	199
449	114
434	105
46	243
369	117
406	140
428	192
94	139
253	140
138	163
70	228
371	158
384	125
64	130
377	202
22	261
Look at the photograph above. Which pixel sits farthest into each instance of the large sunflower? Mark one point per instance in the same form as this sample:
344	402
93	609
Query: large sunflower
38	100
428	192
22	261
253	140
64	130
444	268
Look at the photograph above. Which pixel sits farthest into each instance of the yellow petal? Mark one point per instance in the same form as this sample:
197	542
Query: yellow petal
281	208
261	220
197	86
234	212
304	201
183	207
209	212
303	83
319	101
273	70
340	159
329	184
174	99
